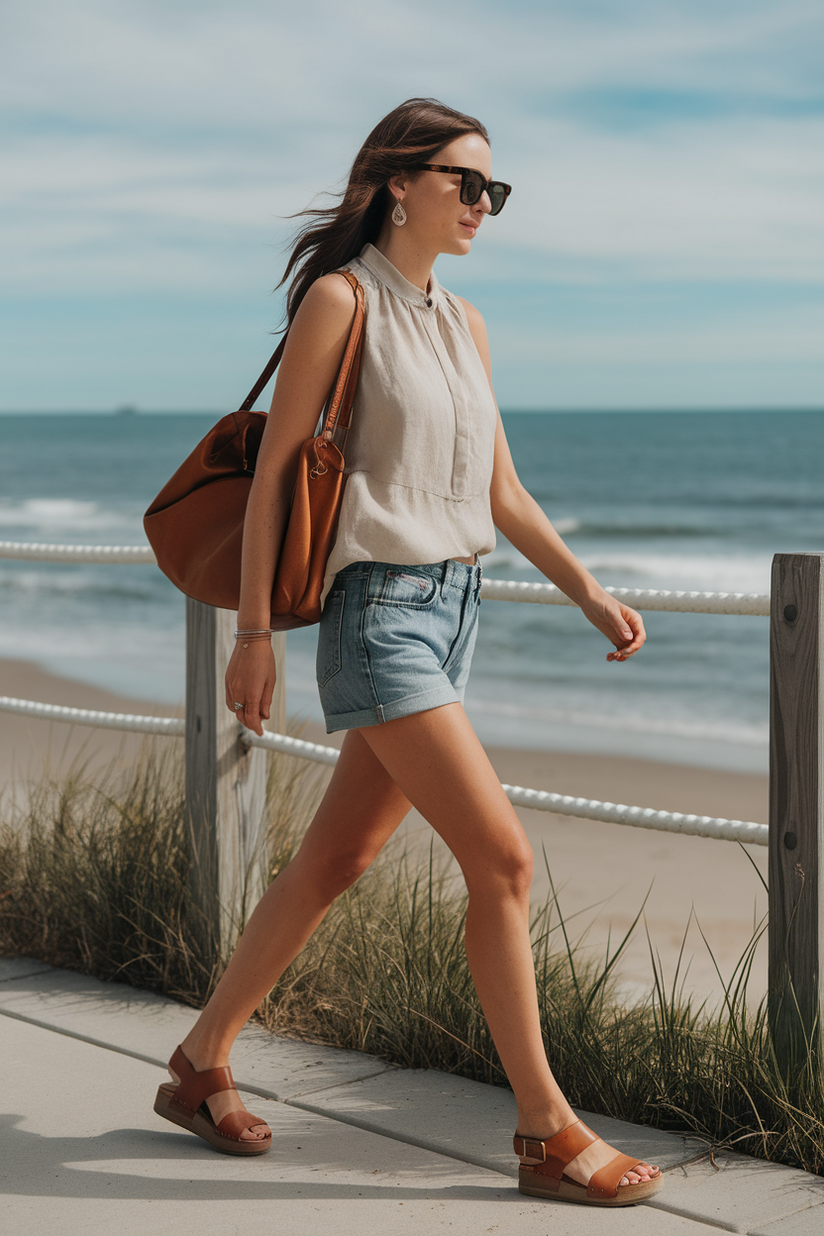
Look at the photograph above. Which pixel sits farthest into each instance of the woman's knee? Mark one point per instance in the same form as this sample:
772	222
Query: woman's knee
505	871
335	870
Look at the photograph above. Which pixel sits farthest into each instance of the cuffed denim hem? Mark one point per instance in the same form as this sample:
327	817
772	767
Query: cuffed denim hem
422	702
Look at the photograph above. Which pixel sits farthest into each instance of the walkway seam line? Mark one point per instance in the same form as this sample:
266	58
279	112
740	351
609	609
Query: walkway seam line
341	1119
351	1081
13	978
686	1214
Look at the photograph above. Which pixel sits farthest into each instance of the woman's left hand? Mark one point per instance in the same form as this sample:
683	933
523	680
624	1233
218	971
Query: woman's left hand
622	626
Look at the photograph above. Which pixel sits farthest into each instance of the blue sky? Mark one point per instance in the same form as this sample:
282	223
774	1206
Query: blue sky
663	245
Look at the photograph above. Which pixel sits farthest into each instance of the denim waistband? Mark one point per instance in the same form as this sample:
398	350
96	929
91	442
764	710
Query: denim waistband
455	574
451	573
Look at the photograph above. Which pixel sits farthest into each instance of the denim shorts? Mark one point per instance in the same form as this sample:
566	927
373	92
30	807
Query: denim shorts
395	640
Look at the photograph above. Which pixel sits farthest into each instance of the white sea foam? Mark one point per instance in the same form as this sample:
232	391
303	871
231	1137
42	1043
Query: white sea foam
629	568
107	583
505	557
529	717
60	515
736	572
564	527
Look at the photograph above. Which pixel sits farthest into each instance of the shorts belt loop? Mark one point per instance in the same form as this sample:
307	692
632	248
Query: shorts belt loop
370	571
444	576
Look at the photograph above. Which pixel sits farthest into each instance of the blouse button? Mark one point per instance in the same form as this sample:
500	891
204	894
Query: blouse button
429	302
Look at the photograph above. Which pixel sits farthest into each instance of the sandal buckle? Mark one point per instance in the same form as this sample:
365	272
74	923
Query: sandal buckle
530	1149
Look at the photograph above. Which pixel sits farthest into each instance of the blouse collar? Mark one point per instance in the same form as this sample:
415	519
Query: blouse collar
392	278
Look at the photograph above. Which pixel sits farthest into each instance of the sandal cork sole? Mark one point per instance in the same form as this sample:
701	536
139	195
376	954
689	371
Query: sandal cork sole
202	1124
569	1190
542	1174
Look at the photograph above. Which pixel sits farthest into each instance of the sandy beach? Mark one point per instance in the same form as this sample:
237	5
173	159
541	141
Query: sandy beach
602	872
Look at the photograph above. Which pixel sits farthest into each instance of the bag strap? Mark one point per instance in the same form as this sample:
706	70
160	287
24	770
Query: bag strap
340	405
347	380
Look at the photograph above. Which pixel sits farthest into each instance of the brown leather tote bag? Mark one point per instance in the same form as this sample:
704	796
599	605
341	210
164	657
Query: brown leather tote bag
195	524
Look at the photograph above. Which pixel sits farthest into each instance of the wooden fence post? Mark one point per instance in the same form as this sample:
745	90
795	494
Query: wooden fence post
796	839
225	783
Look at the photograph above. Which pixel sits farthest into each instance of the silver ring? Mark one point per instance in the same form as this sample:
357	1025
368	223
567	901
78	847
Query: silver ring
238	707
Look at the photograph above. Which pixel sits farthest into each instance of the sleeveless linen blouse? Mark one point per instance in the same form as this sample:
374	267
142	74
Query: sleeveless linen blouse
420	449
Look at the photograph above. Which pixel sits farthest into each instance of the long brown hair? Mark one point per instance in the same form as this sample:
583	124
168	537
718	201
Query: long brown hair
411	134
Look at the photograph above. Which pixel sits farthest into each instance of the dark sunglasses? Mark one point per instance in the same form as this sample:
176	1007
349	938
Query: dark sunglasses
473	185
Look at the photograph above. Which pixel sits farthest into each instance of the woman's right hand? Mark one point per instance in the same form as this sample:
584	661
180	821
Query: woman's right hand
250	681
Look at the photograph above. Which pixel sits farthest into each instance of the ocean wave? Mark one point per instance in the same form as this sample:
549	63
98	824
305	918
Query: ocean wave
100	584
572	526
731	572
506	557
699	572
698	727
568	526
67	515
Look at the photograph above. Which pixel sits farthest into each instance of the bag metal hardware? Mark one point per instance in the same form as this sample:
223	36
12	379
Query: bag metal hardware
320	468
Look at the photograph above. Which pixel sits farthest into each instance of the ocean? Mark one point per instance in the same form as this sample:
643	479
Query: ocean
696	500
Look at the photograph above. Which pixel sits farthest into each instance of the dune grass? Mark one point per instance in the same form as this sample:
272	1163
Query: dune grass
93	877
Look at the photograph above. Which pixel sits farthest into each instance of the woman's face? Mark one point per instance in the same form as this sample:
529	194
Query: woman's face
436	216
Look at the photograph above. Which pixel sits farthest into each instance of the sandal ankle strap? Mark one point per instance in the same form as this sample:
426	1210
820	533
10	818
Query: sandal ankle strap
529	1148
194	1086
557	1150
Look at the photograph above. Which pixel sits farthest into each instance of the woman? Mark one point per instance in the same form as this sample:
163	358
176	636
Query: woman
430	476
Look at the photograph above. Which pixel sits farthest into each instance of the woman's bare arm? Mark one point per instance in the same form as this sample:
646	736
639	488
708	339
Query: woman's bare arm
522	521
311	360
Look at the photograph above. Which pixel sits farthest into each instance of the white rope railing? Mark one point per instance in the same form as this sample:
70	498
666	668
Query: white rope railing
541	800
38	551
750	603
130	722
290	746
640	817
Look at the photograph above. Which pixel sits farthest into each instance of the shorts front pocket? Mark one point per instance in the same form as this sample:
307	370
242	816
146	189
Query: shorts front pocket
329	659
405	587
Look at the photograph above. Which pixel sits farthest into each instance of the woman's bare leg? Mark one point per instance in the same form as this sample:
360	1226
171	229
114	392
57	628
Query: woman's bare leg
360	810
436	759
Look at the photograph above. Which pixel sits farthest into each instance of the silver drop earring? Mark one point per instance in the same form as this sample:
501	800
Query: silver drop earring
399	215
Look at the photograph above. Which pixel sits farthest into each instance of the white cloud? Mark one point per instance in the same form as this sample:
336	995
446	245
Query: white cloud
219	65
155	147
736	200
221	119
740	200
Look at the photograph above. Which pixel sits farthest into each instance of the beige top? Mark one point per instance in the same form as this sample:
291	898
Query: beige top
420	449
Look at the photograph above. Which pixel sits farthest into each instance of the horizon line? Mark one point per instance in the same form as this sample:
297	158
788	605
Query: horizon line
131	410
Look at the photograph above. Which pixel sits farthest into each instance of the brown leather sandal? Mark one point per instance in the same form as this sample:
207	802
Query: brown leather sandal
541	1173
185	1105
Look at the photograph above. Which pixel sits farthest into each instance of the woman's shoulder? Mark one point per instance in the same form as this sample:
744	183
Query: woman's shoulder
329	305
331	292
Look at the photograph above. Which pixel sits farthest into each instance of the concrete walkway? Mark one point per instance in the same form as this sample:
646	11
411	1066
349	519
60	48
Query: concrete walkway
360	1147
